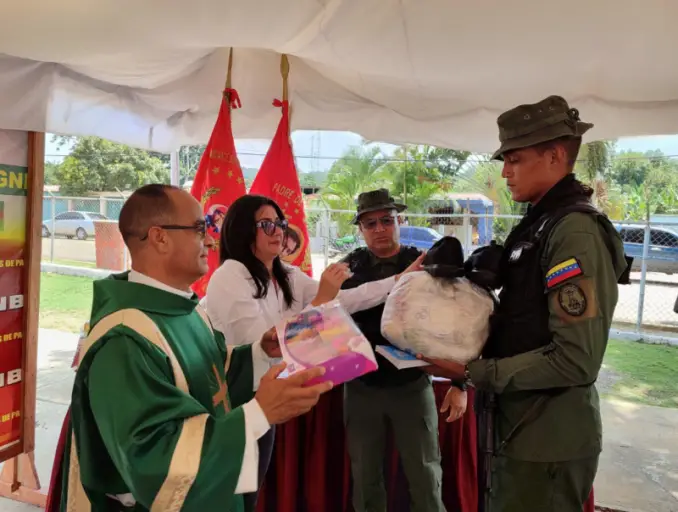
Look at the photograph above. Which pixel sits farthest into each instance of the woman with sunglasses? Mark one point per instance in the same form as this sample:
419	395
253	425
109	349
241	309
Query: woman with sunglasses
254	290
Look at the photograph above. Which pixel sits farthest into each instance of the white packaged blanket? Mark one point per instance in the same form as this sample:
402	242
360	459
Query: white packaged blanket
438	318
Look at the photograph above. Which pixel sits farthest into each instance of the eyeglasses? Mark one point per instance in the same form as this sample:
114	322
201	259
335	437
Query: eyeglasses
199	227
268	226
371	225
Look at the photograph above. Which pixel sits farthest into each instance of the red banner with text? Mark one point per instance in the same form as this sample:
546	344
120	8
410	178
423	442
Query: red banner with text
278	179
13	197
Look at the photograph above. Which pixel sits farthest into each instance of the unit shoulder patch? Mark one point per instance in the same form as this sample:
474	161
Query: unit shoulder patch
562	272
572	299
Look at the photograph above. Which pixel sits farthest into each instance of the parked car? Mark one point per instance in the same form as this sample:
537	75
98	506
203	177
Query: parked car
72	224
420	237
662	254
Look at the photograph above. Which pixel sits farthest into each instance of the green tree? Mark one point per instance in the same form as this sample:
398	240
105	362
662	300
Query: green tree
594	167
630	168
51	169
656	194
485	178
360	169
98	165
189	159
447	161
415	178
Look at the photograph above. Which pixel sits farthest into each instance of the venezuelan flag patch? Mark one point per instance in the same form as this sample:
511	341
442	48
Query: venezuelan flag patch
562	272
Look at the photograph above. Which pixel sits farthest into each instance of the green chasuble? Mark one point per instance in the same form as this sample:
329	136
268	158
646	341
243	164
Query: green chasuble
137	434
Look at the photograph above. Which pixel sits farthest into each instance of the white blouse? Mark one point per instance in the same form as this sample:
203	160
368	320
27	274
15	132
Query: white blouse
234	311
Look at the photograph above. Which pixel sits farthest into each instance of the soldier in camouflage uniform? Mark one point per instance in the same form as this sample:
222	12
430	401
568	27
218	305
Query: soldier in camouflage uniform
559	272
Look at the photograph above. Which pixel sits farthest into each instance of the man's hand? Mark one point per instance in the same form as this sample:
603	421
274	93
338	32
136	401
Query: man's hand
443	368
456	401
414	267
330	283
284	399
270	344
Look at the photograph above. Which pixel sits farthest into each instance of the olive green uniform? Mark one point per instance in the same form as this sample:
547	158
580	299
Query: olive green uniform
548	432
401	399
555	455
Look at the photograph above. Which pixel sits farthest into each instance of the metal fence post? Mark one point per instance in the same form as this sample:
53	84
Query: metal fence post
51	234
643	276
326	235
468	235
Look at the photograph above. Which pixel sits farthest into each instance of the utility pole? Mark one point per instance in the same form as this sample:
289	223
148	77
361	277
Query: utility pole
175	177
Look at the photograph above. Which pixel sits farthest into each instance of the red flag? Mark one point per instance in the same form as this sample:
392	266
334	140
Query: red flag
277	178
219	181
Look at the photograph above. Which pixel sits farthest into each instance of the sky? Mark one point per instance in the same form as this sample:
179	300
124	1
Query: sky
331	145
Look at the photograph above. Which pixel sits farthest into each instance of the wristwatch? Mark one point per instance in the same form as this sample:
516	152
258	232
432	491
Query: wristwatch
467	376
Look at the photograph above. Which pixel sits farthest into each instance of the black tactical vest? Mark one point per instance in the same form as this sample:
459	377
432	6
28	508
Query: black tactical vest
521	322
365	270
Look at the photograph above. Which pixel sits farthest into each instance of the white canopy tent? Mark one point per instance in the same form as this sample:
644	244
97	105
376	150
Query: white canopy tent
149	73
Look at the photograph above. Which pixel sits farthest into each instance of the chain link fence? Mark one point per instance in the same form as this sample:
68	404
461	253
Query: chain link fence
645	306
83	233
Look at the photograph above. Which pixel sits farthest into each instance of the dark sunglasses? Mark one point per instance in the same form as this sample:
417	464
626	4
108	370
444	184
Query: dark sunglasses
268	226
371	225
199	227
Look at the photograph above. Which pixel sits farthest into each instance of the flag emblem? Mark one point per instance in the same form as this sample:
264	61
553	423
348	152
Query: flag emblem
562	272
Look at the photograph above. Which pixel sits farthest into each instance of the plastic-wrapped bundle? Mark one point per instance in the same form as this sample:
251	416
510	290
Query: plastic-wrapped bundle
439	312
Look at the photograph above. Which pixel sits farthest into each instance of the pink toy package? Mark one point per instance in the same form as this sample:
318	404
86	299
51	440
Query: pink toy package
326	336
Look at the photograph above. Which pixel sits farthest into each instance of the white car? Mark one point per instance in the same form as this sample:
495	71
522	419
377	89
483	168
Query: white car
72	224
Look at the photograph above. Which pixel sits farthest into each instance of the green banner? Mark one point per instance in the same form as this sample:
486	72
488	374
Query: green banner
13	180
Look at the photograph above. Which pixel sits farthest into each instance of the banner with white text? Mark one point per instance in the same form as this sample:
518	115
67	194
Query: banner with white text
13	197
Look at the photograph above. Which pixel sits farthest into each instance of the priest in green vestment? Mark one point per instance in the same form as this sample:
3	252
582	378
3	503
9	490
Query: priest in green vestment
165	416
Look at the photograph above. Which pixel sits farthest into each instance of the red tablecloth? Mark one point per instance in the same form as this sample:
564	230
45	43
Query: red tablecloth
310	470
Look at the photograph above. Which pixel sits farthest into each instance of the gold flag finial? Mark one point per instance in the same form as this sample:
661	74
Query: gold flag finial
284	71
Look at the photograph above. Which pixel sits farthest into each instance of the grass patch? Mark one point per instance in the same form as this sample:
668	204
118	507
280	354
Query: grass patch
65	301
646	373
76	263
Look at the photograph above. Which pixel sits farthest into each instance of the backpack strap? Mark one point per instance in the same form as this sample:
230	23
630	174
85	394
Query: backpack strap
581	207
185	461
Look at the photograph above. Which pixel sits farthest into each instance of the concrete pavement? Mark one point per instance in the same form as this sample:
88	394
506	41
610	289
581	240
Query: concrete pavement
638	469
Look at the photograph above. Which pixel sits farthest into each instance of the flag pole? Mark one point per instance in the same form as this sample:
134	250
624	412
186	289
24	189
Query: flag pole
227	85
284	71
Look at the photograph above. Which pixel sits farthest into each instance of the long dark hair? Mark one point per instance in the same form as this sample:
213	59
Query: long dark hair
238	236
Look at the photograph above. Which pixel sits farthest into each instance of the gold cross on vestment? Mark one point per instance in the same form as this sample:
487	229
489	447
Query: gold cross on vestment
220	396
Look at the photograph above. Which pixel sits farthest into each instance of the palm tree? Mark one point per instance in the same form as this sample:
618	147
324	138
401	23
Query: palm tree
416	176
485	178
361	168
593	167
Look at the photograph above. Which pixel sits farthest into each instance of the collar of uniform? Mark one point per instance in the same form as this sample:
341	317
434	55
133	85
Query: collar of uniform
139	278
376	260
552	198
